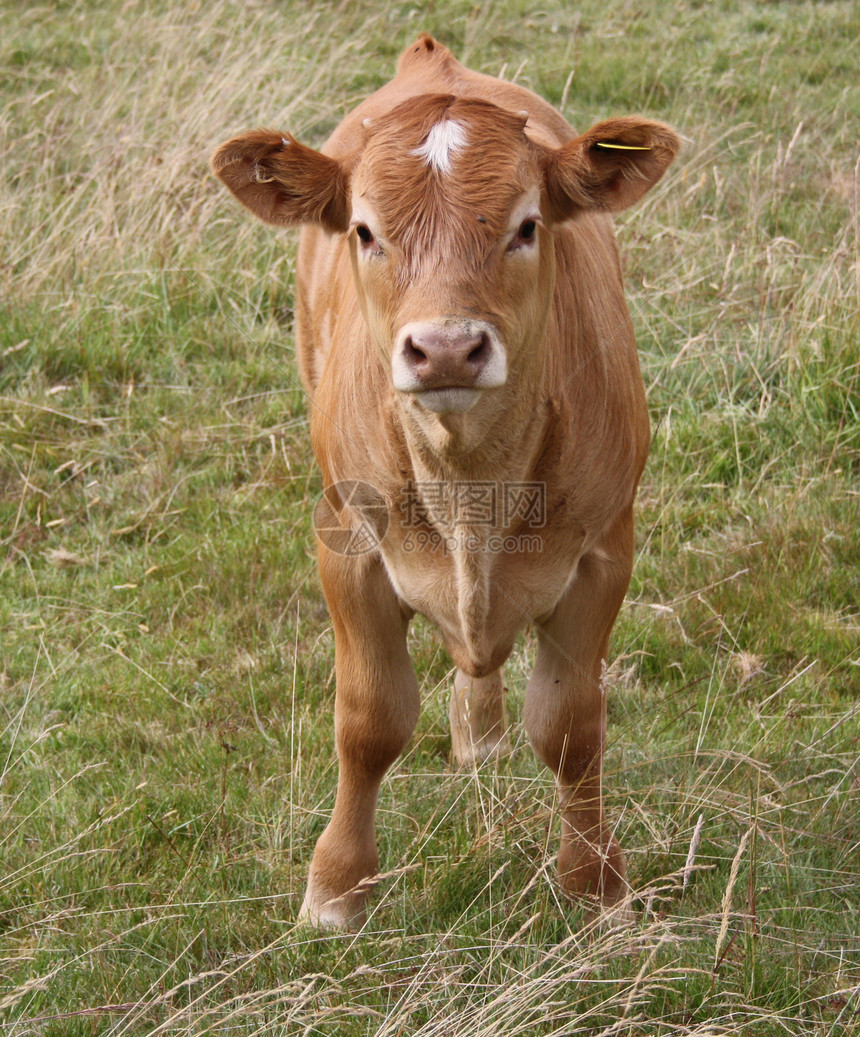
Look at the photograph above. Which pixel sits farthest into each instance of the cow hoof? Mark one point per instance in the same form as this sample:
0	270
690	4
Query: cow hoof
601	917
616	917
468	755
332	913
596	877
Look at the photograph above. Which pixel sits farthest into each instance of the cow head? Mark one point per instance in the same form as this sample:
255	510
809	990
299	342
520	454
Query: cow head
448	207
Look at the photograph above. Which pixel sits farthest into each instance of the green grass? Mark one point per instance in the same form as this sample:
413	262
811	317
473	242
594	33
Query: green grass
166	660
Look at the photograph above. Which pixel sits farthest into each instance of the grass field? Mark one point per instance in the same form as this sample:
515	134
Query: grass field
166	660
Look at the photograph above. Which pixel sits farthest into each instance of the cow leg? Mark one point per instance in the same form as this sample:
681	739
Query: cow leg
376	708
479	723
565	716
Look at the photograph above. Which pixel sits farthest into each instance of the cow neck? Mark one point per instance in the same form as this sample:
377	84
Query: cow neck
519	448
507	447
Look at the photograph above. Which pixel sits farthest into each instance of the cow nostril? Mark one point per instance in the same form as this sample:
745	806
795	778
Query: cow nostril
412	352
479	353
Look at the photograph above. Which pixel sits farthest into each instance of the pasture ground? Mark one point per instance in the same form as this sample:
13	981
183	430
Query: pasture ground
166	681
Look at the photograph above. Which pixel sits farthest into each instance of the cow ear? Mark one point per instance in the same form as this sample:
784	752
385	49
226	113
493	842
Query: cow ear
283	182
610	167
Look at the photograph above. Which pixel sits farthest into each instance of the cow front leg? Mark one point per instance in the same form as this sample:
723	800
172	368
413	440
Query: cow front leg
376	708
479	723
565	716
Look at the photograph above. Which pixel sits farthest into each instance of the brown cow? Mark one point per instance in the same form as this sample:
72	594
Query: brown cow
480	420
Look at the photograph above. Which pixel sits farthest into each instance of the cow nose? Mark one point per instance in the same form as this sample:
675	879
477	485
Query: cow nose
446	357
433	356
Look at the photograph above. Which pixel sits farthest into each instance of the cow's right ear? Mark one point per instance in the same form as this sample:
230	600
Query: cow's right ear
283	182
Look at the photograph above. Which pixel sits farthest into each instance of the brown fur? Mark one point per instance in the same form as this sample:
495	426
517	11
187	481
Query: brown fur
570	415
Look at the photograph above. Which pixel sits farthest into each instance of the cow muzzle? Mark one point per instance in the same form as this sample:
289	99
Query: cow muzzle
446	364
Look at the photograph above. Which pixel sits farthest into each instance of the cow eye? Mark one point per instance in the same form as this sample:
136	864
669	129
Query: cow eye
526	235
370	247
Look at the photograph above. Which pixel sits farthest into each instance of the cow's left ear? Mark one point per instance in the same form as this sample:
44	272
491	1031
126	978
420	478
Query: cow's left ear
609	167
283	182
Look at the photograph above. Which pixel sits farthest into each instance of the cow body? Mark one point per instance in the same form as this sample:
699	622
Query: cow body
463	337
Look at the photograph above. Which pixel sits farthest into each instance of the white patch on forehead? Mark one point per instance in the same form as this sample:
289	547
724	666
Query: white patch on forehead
443	140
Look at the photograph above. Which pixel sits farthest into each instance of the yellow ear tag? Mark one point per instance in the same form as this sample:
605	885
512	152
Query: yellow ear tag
607	146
